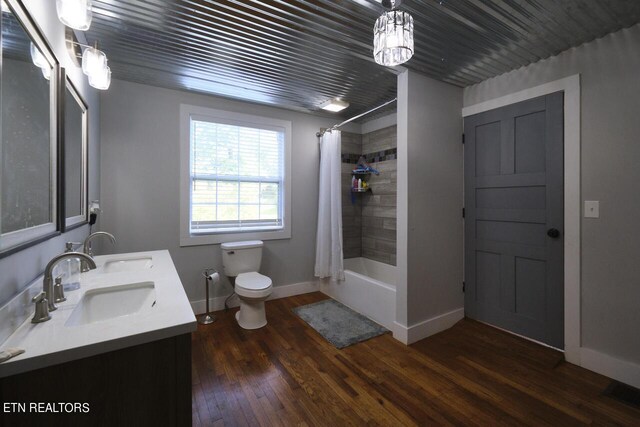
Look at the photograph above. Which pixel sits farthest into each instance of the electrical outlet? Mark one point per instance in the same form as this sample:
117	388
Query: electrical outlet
591	209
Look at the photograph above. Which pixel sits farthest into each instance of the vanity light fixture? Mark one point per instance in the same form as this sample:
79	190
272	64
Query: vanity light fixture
101	80
76	14
334	105
94	61
393	35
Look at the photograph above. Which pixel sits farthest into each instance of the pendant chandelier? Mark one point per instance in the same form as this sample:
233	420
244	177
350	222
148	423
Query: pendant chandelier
393	35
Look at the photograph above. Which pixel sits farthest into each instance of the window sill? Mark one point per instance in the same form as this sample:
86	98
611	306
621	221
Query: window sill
212	239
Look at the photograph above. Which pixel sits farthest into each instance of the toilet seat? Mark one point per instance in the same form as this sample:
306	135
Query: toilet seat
253	285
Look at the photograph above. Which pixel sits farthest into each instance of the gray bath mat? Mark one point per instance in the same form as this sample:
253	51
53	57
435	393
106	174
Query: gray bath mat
340	325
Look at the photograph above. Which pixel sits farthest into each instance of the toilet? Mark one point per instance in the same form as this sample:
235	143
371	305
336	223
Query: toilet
241	262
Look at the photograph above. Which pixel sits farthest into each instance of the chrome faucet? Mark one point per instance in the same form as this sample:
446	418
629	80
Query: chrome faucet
86	248
47	283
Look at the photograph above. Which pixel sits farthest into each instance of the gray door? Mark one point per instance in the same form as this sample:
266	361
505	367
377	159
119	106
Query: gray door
514	224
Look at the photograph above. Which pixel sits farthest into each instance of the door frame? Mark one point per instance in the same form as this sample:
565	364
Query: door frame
572	196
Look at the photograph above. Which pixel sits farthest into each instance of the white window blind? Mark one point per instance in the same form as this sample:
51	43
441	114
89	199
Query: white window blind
237	177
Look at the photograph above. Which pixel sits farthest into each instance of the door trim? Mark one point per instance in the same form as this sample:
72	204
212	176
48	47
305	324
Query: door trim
572	199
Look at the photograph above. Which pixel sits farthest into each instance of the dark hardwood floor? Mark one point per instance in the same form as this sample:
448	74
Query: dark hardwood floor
287	374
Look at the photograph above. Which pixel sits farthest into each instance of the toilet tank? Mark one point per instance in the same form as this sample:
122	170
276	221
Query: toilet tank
241	257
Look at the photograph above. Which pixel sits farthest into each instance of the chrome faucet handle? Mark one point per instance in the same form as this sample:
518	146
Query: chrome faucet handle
42	308
58	291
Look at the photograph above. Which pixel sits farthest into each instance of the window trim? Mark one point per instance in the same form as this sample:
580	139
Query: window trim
236	119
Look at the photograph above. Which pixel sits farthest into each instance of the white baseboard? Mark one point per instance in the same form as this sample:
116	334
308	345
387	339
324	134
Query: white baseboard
217	303
426	328
294	289
621	370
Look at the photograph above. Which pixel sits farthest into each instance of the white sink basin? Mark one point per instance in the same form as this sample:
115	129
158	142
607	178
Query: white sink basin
127	264
102	304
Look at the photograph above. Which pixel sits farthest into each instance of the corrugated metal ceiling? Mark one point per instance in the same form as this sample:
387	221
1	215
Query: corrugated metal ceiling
298	54
15	41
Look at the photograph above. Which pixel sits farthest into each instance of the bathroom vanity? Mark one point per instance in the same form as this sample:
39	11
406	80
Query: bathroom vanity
121	344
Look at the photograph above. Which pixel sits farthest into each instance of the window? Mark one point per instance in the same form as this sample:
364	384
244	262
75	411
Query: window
234	177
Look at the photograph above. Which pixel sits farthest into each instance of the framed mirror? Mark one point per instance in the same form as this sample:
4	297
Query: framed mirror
28	125
75	143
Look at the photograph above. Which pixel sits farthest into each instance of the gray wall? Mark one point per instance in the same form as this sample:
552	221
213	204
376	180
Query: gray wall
429	198
141	176
19	269
609	69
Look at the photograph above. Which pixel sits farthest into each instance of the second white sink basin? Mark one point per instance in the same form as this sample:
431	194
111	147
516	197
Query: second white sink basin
102	304
127	264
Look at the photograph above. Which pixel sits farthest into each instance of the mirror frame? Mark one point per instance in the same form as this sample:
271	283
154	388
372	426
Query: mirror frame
69	223
25	238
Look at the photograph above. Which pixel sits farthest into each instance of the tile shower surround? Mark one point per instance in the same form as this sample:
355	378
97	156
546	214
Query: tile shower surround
369	224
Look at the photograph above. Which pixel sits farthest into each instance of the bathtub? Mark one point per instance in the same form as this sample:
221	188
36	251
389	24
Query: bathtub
369	288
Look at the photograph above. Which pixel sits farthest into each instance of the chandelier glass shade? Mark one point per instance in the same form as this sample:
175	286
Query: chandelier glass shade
94	61
40	61
76	14
38	58
46	73
101	80
393	38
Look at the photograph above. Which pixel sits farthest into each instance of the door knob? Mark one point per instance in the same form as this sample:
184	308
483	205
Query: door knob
553	232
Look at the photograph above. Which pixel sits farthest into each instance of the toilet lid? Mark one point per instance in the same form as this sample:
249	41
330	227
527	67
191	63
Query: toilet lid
253	281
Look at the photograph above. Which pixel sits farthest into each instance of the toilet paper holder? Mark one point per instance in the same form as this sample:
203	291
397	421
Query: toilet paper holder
210	275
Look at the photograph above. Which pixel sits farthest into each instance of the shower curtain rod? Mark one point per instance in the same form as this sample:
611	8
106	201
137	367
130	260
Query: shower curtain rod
319	134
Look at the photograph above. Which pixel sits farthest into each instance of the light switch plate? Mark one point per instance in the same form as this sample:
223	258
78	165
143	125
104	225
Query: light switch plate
591	209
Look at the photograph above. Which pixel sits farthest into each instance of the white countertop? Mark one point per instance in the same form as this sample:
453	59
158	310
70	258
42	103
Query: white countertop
52	342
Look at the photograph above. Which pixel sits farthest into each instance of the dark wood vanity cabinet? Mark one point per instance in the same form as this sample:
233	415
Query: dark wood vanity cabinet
143	385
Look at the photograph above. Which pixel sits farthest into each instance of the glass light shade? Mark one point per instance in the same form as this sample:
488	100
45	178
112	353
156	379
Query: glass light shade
46	72
76	14
393	38
38	58
101	80
94	61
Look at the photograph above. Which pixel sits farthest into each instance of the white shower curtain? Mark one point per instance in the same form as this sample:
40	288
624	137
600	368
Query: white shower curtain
329	236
